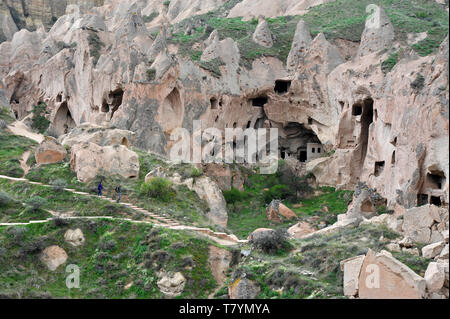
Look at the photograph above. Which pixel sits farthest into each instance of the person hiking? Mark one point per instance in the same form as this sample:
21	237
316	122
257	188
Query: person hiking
119	193
100	188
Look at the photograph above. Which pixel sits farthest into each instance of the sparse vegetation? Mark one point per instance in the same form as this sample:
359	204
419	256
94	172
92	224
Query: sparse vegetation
95	46
389	63
39	120
158	188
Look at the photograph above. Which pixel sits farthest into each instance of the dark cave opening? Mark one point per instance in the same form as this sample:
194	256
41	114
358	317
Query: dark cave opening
259	101
282	86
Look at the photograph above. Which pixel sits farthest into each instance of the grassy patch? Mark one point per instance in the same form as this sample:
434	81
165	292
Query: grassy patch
388	64
39	122
12	148
114	255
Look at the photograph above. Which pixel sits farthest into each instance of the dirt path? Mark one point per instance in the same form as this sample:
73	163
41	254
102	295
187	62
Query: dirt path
160	221
23	162
18	128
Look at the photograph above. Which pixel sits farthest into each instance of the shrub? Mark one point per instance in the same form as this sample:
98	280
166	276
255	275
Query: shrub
151	74
95	46
277	192
5	199
234	195
159	188
39	122
272	242
58	184
418	83
166	3
35	203
388	64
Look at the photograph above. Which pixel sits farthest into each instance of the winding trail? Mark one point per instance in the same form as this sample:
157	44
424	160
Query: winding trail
18	128
160	221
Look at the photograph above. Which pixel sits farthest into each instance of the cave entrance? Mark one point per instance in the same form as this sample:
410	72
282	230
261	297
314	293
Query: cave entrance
422	199
357	109
302	156
116	97
63	122
379	167
436	200
434	181
366	120
259	101
213	102
171	111
282	86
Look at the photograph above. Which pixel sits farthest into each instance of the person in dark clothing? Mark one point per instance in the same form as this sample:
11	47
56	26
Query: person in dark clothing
119	193
100	188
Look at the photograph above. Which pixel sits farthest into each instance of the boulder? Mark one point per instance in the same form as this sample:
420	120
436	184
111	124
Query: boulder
300	230
53	257
171	284
277	212
260	233
74	237
444	253
433	250
262	34
351	268
384	277
417	222
435	276
87	159
49	151
243	288
406	242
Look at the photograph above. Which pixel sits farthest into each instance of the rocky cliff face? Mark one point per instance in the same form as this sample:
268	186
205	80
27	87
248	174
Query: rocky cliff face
32	14
388	129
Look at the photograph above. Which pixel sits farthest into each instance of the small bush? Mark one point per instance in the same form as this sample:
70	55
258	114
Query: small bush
418	83
35	203
151	74
159	188
277	192
58	184
166	3
272	242
5	199
39	122
388	64
234	195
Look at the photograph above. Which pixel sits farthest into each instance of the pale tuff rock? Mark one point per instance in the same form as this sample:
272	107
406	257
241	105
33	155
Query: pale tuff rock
260	233
300	230
300	43
160	43
391	221
262	34
418	221
351	268
213	37
53	257
243	288
49	152
75	237
435	276
99	135
219	262
88	159
207	190
171	284
378	34
391	278
276	211
433	250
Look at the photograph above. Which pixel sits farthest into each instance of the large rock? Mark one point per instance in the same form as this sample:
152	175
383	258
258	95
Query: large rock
351	268
49	151
53	257
260	233
243	288
88	159
433	250
300	230
378	33
417	222
75	237
172	284
435	276
262	34
277	212
102	136
384	277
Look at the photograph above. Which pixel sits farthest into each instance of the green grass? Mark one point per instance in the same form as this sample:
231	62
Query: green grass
104	269
12	148
343	19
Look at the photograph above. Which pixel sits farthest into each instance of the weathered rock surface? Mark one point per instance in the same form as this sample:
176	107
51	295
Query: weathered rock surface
172	284
49	152
433	250
88	159
219	262
75	237
53	257
300	230
300	43
91	133
262	34
243	288
351	268
384	277
418	222
276	211
435	277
